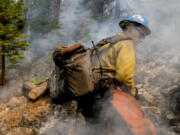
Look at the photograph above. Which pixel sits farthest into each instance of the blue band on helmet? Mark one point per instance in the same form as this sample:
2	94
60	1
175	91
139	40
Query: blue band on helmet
140	19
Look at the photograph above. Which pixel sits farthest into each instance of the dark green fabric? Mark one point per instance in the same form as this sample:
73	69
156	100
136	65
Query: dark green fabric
72	74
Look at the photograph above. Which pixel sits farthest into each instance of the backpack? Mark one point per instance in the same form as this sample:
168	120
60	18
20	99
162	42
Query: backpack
73	75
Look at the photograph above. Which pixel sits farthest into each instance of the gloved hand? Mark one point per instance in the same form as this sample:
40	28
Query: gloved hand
137	94
134	92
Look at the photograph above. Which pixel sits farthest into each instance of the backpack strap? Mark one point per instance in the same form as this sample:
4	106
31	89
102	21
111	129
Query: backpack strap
112	40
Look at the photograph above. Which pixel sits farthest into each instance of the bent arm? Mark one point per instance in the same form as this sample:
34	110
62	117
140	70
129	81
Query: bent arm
125	65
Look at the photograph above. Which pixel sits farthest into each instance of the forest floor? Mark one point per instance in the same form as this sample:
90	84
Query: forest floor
157	82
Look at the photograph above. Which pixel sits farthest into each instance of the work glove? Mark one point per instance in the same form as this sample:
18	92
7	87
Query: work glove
137	94
134	93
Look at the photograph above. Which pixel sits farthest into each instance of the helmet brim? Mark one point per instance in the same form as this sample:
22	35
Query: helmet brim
125	23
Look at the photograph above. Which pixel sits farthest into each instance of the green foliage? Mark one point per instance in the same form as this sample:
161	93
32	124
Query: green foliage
96	7
41	16
38	81
12	22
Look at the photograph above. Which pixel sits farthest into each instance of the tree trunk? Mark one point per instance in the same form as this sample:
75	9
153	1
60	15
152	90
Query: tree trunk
3	69
105	11
117	9
28	16
56	11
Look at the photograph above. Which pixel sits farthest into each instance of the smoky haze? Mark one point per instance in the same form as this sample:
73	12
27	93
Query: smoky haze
158	57
162	16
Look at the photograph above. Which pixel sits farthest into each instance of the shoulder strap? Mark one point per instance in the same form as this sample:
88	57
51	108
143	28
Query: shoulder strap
111	40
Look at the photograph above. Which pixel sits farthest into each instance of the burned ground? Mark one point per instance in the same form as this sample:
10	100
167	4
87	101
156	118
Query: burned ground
157	82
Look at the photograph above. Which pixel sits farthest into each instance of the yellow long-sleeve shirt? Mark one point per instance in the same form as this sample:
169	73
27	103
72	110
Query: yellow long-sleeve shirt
117	61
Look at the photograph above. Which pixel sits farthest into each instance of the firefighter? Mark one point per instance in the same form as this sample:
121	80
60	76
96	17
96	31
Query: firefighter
89	75
111	62
116	59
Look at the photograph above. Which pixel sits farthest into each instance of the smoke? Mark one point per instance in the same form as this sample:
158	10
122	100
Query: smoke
158	66
158	58
13	89
67	120
78	25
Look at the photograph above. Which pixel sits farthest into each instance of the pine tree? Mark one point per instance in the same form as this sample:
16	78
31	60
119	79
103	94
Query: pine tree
12	39
43	15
